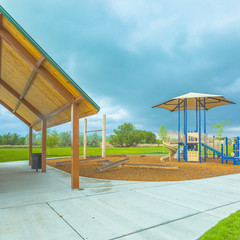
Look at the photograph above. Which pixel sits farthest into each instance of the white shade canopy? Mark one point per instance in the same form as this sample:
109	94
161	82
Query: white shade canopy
193	99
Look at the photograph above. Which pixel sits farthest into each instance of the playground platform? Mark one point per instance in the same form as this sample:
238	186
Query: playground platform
43	206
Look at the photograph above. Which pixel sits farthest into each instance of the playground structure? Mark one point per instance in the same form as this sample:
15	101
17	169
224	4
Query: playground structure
172	151
103	130
193	141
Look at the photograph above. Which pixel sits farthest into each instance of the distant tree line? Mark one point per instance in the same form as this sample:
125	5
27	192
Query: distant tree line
127	136
54	138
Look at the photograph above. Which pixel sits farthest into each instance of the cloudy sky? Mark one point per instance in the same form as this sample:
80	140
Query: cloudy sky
130	55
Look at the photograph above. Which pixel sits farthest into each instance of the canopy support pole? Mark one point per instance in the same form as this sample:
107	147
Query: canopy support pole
75	145
44	144
30	145
185	130
199	131
205	131
196	116
179	146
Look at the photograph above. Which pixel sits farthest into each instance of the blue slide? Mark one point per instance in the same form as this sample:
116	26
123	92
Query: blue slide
222	155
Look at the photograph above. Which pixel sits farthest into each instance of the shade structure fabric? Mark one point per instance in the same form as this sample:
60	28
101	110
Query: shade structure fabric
192	99
32	85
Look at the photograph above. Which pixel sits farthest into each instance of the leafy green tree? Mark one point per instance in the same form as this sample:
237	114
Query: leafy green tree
124	135
52	139
162	134
150	137
218	128
65	139
93	140
81	139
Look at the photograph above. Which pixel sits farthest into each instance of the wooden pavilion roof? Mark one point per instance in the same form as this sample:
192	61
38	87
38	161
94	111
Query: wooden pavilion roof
32	86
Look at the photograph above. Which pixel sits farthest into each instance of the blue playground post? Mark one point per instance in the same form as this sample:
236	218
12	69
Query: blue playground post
179	146
213	146
237	147
222	153
205	131
226	140
199	117
196	116
185	130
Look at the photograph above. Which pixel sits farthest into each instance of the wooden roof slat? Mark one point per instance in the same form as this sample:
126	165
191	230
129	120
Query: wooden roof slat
32	76
26	103
32	61
16	114
78	100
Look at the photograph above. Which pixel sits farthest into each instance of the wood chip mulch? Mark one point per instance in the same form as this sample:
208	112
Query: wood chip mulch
185	171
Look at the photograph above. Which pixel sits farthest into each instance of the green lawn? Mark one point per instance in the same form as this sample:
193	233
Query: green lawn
21	153
227	229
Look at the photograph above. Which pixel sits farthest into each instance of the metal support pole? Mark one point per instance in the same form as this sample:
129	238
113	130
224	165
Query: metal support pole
104	136
196	116
213	146
238	146
226	142
85	139
222	153
179	146
185	131
199	132
186	136
205	131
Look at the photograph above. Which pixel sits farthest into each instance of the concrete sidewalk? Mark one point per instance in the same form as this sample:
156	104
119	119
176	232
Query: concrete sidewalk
43	206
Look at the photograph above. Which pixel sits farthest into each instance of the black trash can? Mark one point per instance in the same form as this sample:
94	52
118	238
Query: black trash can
36	161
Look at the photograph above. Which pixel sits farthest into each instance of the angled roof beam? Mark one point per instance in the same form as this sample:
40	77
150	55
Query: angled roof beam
25	102
52	114
16	114
27	56
32	76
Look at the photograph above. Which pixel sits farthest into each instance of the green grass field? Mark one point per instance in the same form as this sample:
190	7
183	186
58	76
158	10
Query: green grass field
227	229
16	153
21	153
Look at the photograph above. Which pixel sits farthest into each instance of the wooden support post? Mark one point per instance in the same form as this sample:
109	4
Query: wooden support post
44	144
104	136
75	145
85	139
30	144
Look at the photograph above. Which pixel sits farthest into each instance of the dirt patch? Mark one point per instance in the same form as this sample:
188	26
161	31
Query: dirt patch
185	171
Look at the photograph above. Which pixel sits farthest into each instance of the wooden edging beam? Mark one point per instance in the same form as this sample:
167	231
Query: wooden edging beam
25	102
28	57
29	81
16	114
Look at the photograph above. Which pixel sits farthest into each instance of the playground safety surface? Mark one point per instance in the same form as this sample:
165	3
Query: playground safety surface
185	171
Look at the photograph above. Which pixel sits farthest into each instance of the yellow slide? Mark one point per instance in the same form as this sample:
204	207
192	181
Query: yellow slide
172	151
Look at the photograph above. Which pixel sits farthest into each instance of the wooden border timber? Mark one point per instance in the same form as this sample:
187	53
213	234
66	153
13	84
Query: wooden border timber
27	56
29	81
112	165
16	114
25	102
